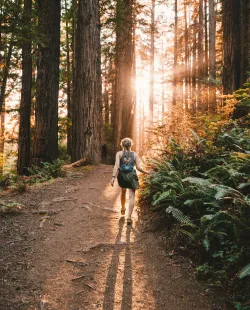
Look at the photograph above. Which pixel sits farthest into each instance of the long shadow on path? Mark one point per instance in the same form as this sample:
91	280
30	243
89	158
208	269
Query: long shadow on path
110	289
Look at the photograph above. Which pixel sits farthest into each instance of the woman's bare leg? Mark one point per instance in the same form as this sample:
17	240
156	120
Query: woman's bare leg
123	199
131	202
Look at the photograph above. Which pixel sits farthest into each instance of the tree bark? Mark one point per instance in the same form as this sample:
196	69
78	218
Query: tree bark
245	41
212	40
87	101
186	44
25	105
45	146
152	62
231	45
123	118
175	51
2	103
201	42
206	39
106	92
69	91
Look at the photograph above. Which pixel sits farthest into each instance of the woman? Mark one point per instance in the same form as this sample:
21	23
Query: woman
127	177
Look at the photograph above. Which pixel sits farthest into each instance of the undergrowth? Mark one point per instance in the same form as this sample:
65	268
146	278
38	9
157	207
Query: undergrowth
34	175
203	184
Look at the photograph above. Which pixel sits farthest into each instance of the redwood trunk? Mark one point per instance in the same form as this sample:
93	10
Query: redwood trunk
212	41
25	105
245	41
152	63
231	45
123	118
175	52
45	146
87	101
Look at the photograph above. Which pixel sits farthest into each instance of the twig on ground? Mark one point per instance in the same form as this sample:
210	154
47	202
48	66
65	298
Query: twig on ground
78	278
90	286
82	291
76	262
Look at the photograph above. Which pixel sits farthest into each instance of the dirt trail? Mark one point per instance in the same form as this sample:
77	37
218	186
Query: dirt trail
82	255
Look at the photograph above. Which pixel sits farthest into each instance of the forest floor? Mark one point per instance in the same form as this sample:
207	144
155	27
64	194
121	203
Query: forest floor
68	248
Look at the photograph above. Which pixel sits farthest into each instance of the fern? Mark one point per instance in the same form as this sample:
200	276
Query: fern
164	196
206	244
223	190
244	272
180	217
198	181
191	202
189	234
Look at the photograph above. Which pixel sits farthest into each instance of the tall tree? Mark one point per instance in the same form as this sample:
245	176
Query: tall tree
9	19
201	41
175	50
186	42
87	106
152	62
212	41
206	39
69	73
25	105
45	146
123	117
245	40
231	45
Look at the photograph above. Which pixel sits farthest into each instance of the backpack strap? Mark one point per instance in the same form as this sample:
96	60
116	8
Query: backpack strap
125	155
122	158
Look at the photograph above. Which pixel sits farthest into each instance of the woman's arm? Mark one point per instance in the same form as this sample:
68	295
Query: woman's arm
138	164
116	167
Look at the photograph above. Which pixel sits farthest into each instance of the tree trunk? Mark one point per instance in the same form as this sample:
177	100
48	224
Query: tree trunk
186	45
200	42
134	103
206	40
123	118
245	41
105	91
45	146
2	103
25	105
2	138
162	81
212	40
69	92
5	74
231	45
152	63
87	106
175	51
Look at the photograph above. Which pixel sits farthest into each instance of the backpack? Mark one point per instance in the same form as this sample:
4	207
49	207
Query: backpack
127	166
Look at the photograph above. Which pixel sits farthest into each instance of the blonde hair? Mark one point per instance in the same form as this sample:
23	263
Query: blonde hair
126	143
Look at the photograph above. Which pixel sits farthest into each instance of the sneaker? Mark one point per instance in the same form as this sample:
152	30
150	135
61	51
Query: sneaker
129	222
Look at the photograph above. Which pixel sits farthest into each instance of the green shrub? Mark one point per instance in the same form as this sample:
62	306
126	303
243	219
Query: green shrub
207	191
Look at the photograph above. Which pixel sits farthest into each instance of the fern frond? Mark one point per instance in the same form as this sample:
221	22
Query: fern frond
198	181
206	244
180	217
164	196
191	202
243	185
187	233
244	272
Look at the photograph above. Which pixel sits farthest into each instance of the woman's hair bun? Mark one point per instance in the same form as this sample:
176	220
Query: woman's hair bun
126	142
